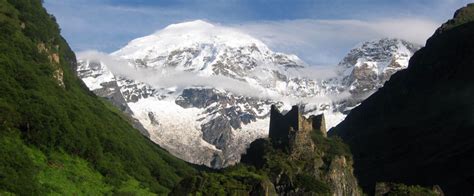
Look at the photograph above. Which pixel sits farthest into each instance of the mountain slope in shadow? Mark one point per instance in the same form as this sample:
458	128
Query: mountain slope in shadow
419	128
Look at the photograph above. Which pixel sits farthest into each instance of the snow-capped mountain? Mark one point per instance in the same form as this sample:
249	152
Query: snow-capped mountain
203	91
369	65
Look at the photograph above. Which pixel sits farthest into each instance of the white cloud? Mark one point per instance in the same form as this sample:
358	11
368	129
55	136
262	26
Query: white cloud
178	80
168	78
105	25
323	42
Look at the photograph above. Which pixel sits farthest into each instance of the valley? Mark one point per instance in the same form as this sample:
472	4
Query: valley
201	108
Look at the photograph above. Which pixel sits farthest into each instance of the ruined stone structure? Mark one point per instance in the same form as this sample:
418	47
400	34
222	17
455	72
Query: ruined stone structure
292	132
303	142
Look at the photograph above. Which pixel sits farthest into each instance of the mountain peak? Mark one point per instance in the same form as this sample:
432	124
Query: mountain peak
190	24
379	49
371	63
196	34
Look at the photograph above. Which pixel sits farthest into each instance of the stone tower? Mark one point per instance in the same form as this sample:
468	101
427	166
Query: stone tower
292	132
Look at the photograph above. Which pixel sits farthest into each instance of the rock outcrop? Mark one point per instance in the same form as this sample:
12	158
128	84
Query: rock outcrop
301	157
367	67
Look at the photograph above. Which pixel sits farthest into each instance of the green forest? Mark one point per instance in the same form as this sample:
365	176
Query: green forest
56	136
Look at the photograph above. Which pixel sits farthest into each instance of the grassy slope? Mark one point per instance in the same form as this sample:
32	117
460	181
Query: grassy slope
57	139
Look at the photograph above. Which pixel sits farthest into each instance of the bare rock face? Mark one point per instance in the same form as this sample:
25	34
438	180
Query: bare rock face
199	98
218	132
337	177
370	65
264	188
110	90
363	78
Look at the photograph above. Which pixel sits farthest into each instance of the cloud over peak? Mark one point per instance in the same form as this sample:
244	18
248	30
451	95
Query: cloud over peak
325	42
320	32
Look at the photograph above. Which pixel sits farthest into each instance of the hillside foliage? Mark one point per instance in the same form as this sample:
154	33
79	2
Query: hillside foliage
56	136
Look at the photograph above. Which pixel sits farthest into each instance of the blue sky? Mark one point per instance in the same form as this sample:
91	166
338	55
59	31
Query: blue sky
319	31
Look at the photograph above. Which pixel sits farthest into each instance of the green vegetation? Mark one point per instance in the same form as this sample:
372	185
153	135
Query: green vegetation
236	180
462	16
66	175
308	182
332	146
264	167
405	190
56	136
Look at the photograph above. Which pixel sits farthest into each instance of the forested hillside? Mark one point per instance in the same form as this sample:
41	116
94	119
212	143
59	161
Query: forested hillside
55	135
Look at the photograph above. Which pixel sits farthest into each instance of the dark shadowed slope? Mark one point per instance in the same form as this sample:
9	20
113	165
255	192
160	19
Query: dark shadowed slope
55	135
419	128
